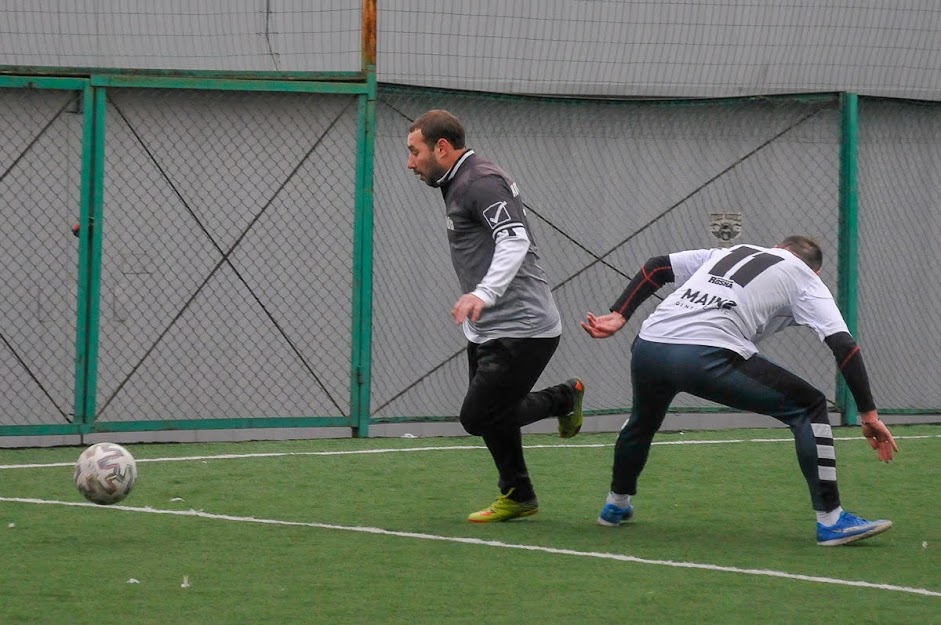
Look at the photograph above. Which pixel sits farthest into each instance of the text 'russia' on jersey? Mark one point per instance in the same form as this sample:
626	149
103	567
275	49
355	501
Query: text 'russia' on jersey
732	298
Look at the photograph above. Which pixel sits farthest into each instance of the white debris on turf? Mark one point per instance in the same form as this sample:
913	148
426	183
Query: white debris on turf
133	581
186	582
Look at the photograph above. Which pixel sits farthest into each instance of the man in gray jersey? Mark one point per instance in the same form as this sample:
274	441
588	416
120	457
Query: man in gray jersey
701	340
507	311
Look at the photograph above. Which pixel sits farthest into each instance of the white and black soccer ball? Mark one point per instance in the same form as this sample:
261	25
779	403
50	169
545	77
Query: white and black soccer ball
105	473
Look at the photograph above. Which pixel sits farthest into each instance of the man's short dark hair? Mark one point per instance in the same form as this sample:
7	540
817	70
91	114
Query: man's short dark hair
438	124
805	248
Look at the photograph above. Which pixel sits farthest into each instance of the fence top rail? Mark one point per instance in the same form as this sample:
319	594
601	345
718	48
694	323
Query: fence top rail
42	82
226	84
87	72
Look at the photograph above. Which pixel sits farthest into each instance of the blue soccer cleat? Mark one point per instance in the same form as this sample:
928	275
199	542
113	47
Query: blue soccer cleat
849	528
612	516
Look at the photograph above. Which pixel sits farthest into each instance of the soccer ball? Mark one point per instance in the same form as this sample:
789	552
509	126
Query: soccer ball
105	473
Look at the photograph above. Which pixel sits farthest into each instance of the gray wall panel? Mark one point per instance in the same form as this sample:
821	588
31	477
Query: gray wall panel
554	47
900	226
606	186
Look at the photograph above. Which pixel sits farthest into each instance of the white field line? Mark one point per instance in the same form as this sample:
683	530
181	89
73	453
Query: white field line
390	450
491	543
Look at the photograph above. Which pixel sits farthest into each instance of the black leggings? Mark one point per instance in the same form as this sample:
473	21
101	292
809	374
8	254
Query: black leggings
499	402
660	370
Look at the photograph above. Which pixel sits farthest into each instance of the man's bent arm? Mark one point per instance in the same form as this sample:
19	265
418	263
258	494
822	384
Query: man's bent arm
850	361
656	272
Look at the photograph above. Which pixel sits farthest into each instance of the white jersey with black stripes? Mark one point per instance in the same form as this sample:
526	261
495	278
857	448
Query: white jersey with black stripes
732	298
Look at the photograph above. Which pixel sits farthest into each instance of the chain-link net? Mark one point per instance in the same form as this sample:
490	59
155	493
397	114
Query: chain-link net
606	185
228	222
584	48
227	255
899	230
40	169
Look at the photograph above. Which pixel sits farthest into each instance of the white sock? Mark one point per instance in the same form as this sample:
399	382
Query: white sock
621	501
829	518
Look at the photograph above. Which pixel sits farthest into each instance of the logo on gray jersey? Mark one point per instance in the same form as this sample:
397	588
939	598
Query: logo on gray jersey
496	214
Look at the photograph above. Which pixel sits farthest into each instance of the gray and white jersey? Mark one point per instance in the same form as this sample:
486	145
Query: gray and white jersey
733	298
494	253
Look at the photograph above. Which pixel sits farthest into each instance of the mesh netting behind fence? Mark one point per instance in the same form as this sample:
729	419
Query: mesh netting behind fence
40	163
226	264
227	255
606	185
228	259
900	226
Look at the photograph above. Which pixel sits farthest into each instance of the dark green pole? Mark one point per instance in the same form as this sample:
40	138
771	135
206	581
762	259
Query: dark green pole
81	325
96	224
848	267
363	232
89	256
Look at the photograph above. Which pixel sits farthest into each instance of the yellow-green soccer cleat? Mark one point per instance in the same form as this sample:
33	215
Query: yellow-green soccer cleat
504	509
571	424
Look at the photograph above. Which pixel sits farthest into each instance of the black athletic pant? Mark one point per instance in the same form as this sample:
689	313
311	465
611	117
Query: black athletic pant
659	371
499	402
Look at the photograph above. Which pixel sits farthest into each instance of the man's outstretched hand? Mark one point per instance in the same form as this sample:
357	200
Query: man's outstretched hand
878	435
604	326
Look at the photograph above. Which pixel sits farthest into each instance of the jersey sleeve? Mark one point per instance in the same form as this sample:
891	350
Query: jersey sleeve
814	307
496	207
686	263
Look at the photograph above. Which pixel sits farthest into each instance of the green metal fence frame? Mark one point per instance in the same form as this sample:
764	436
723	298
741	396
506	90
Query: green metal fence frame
848	261
93	84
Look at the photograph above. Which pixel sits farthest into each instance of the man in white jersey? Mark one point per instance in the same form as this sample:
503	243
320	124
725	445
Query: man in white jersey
506	311
701	340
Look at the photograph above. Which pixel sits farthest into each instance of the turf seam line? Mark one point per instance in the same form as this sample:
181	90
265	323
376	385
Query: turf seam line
353	452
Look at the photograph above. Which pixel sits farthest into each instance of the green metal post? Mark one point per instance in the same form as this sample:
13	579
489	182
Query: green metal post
85	211
363	262
848	268
90	255
363	230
